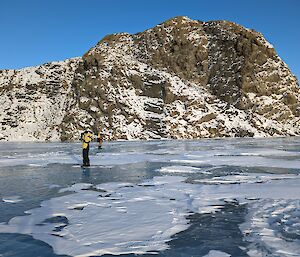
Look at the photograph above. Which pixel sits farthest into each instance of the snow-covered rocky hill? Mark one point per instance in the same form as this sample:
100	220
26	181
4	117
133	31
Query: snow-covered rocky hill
180	79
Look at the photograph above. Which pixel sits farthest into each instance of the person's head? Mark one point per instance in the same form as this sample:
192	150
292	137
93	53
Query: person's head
87	129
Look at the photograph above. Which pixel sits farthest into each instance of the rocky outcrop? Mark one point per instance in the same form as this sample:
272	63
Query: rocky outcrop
33	100
180	79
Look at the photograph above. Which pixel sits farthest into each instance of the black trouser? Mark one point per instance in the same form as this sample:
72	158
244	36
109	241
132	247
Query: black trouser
85	155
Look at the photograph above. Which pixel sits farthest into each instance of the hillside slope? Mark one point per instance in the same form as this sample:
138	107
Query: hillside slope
180	79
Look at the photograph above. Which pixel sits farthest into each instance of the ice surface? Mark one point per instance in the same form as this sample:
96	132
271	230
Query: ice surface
228	154
106	211
246	159
275	225
246	178
129	218
133	219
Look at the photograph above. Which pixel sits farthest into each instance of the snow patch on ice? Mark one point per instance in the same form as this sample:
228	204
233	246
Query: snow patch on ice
122	218
12	199
214	253
246	178
273	225
76	187
246	159
131	219
182	169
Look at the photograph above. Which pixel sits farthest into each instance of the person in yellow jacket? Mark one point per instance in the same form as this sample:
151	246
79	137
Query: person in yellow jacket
86	138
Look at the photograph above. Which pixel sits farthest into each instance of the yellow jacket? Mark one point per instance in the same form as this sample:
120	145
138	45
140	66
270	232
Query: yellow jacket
86	139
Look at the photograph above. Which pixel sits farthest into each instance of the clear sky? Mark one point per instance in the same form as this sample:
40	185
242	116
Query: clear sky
33	32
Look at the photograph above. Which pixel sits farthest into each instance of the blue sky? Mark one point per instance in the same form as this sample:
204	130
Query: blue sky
38	31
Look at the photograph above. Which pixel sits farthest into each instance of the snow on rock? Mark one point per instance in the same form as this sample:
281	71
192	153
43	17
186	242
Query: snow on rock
33	100
180	79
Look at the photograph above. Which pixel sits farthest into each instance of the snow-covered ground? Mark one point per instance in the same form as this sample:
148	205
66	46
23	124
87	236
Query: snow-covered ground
232	197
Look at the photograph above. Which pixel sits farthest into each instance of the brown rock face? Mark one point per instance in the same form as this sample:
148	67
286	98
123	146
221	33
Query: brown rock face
180	79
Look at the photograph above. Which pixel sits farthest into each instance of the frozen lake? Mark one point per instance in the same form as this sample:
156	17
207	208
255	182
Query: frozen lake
229	197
